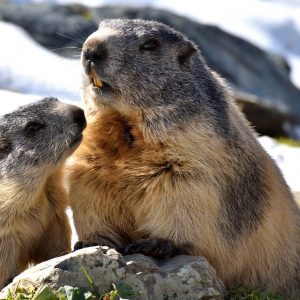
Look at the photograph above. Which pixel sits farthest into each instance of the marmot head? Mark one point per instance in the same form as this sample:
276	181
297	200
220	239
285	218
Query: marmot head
37	137
147	67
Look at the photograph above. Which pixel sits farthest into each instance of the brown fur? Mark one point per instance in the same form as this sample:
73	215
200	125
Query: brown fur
37	140
134	189
35	228
212	192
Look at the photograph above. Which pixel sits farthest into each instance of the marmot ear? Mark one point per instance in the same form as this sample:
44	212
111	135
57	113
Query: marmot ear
186	51
5	147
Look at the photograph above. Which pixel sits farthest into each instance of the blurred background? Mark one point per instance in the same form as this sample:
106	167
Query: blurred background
254	44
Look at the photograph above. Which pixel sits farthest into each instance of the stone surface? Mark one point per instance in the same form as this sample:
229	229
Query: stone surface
181	277
248	69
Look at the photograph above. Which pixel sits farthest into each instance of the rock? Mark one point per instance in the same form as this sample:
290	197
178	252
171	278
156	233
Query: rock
249	70
264	118
181	277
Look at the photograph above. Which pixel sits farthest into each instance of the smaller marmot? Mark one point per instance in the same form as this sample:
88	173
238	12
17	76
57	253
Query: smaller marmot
167	158
35	140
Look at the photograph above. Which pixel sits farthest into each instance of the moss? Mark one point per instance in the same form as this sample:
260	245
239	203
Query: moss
288	141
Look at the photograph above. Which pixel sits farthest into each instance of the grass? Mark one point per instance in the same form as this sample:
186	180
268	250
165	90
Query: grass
240	293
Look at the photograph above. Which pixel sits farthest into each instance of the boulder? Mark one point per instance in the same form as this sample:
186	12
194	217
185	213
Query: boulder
181	277
264	118
249	70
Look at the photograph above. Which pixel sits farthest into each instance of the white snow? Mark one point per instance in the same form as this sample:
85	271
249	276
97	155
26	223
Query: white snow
27	67
74	238
12	100
287	158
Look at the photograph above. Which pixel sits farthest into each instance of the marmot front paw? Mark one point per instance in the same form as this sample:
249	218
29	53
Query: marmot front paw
156	248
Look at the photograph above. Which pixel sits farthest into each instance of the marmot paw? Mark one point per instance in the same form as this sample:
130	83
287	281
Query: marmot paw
160	249
100	240
80	245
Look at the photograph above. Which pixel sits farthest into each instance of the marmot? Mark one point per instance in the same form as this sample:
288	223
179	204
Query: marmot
35	140
167	158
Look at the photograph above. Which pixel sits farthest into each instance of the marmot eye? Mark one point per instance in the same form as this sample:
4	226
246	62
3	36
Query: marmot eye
34	126
149	45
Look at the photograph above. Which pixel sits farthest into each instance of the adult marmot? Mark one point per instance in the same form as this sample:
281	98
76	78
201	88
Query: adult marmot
167	156
34	142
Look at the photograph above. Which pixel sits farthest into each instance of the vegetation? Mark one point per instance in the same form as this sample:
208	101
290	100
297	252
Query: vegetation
288	141
240	293
120	291
26	290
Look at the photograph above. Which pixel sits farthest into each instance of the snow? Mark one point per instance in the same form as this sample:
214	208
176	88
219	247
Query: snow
287	158
27	67
74	237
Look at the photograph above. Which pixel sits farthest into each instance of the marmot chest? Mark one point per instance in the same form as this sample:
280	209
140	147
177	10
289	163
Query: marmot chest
116	151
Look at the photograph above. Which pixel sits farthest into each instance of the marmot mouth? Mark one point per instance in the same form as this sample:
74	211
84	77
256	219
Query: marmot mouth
97	83
100	85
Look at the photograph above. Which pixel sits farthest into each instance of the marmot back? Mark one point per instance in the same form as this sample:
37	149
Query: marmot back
35	140
167	159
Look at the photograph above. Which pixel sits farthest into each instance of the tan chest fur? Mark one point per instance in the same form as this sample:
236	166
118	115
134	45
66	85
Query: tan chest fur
138	187
21	215
33	224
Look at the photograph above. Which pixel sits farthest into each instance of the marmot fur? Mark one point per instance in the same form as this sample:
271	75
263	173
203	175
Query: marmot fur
167	156
35	140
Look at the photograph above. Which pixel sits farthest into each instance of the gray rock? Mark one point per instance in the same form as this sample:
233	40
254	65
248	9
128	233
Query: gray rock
249	69
264	118
181	277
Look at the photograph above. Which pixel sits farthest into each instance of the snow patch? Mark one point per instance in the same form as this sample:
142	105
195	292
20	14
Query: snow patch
287	158
27	67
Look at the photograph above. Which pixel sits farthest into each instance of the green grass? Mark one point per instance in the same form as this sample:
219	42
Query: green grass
240	293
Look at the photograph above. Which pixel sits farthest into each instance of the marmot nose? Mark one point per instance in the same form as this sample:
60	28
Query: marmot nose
95	54
78	117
